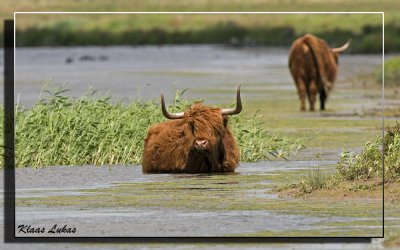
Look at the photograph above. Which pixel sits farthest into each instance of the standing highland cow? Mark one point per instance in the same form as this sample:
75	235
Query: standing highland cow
195	141
313	65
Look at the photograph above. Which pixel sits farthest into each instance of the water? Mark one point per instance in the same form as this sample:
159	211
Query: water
143	72
61	181
78	177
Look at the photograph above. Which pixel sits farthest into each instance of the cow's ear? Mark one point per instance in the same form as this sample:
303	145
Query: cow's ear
336	56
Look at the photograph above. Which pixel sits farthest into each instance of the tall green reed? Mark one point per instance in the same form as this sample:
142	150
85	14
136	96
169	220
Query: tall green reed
95	130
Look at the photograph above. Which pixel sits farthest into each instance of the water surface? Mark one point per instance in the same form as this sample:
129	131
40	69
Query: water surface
143	72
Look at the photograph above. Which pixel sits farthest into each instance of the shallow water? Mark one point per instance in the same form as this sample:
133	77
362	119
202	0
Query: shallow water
143	72
101	218
171	222
63	177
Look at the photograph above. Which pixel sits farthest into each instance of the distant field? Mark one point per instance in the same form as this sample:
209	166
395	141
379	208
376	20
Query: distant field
234	29
390	7
134	29
185	22
300	22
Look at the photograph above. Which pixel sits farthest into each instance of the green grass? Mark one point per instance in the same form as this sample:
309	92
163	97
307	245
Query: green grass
316	179
60	130
254	140
301	22
362	166
368	163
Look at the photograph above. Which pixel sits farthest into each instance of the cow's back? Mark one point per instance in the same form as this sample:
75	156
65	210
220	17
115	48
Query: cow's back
311	59
301	63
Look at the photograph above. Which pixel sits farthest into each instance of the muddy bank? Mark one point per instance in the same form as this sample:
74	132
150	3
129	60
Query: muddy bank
349	190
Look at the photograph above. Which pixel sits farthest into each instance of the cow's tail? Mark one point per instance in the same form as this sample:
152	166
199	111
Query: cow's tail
324	85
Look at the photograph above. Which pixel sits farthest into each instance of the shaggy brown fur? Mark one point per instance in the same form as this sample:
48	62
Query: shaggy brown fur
313	66
169	146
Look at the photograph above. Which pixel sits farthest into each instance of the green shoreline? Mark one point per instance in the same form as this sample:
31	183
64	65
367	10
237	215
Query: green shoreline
368	40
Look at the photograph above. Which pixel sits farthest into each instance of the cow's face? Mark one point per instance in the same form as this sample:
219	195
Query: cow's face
207	127
204	129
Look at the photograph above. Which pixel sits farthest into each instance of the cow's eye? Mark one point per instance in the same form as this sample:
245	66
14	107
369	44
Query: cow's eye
181	133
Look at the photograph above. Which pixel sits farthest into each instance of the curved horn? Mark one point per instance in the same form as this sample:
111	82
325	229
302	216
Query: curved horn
238	105
166	113
343	48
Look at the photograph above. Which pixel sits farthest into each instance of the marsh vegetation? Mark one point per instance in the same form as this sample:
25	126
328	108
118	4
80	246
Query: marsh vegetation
96	130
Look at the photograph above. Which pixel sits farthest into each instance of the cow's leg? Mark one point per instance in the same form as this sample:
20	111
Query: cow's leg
301	90
312	94
322	99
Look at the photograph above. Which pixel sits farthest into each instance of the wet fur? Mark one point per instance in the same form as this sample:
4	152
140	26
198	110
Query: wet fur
169	145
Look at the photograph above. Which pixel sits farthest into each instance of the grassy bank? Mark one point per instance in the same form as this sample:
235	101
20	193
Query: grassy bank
59	130
368	40
355	172
368	163
358	178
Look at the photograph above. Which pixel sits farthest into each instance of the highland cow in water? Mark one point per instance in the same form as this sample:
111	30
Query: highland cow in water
195	141
313	65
